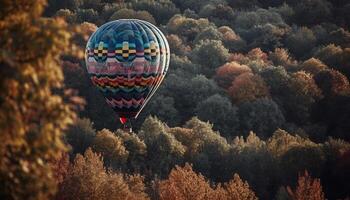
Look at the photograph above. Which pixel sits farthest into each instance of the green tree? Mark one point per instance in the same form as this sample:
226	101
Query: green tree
164	151
187	27
219	111
210	54
80	135
261	116
32	116
206	149
312	12
126	13
301	41
162	11
137	151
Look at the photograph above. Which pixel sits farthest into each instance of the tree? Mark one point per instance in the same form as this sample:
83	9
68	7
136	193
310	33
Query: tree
32	115
88	179
231	40
162	11
332	83
163	150
250	19
313	66
219	111
312	12
111	148
261	116
137	151
87	15
226	73
210	33
219	13
60	167
67	15
302	95
301	41
187	27
164	108
126	13
177	45
80	135
189	92
277	79
210	54
281	57
330	55
206	149
307	189
248	87
184	184
237	189
336	57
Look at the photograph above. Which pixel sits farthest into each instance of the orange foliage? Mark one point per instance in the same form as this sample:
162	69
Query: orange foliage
228	72
185	184
248	87
307	189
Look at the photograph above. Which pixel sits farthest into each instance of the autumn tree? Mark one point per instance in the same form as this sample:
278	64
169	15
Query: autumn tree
281	57
307	189
88	179
177	45
313	66
185	184
32	116
226	73
332	83
111	148
248	87
236	189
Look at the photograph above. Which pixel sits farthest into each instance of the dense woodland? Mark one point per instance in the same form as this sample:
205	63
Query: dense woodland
255	105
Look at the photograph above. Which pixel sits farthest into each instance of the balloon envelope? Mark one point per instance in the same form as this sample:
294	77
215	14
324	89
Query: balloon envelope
127	60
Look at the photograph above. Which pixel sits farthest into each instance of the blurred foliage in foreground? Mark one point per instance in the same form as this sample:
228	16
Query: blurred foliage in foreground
255	104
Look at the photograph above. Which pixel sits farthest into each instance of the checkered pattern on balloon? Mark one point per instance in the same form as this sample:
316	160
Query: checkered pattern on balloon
127	61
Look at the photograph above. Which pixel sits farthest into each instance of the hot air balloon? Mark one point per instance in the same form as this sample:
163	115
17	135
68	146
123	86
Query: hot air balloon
127	60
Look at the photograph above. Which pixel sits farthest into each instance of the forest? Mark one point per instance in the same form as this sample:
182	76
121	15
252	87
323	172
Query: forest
255	105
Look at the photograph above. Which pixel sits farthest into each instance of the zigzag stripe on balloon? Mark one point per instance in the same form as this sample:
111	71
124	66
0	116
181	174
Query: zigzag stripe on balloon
122	81
123	89
125	103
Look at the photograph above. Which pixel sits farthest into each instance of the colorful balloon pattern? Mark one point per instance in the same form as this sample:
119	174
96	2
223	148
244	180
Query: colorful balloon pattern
127	60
